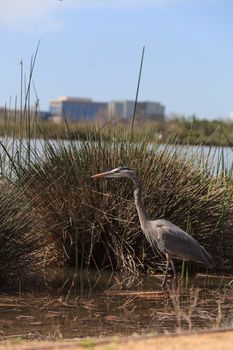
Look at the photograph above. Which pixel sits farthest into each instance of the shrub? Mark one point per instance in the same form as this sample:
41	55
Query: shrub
20	239
94	224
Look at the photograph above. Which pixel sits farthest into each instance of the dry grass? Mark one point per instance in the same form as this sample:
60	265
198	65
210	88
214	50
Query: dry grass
21	241
94	224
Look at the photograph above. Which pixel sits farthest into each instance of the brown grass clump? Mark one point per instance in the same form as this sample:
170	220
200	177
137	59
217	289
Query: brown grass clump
20	239
94	224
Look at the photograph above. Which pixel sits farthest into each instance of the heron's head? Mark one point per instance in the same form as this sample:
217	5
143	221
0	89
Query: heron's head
117	172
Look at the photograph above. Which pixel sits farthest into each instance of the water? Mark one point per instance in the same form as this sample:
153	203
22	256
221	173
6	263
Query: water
204	155
119	312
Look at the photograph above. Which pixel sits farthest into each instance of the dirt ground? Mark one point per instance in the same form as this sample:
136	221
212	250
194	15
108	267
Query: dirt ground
202	341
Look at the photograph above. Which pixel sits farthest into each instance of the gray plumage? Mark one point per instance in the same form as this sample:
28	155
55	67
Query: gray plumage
163	235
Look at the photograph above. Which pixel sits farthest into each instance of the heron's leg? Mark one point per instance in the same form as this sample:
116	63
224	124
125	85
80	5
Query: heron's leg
166	273
174	269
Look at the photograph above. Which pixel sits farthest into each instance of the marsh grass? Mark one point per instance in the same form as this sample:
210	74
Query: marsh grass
80	223
20	238
94	224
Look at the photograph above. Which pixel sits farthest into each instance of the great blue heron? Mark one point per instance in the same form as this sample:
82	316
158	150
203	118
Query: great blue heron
168	238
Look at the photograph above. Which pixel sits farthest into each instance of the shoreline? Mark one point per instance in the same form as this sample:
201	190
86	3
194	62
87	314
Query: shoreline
217	339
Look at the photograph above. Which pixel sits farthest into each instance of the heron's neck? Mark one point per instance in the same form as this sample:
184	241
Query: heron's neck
143	216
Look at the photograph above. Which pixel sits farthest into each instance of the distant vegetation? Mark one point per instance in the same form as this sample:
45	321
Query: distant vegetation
186	130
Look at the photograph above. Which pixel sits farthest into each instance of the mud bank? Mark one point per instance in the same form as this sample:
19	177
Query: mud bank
217	340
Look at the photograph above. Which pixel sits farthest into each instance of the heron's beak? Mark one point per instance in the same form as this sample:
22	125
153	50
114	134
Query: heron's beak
105	174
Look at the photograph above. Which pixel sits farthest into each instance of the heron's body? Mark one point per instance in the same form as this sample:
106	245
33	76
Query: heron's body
174	241
163	235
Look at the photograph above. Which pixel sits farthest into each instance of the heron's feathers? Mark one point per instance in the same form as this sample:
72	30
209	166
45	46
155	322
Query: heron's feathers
177	243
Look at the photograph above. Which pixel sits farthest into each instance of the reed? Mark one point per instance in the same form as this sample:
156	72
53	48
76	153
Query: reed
197	132
94	224
64	218
20	238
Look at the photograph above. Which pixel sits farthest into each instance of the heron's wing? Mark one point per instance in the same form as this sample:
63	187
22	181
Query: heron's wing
178	243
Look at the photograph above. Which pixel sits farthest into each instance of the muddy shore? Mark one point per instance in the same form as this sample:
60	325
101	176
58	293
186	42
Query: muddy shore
216	340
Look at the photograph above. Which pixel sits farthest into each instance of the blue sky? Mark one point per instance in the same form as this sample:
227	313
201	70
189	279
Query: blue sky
92	48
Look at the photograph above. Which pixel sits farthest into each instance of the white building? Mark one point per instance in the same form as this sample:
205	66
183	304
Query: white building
148	109
122	108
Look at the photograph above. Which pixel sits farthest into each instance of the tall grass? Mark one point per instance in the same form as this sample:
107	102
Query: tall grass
21	240
94	224
76	222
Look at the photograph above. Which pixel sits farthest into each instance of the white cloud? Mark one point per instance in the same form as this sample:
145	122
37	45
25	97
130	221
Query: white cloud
16	14
118	3
19	14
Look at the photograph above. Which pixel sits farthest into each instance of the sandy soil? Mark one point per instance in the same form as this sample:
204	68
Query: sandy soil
201	341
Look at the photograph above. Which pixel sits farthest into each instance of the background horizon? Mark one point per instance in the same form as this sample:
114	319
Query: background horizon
93	48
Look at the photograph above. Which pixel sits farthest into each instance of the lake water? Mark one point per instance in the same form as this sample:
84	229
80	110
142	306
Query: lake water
212	155
207	303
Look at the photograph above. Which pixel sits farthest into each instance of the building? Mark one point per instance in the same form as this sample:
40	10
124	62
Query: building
121	108
152	110
74	108
147	109
43	115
